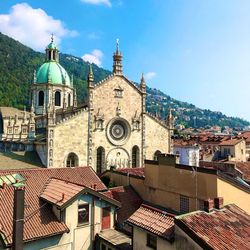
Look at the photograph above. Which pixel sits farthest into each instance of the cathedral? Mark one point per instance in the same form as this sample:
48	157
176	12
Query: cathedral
112	130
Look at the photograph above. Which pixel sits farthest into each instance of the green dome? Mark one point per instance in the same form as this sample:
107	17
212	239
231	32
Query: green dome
54	71
51	46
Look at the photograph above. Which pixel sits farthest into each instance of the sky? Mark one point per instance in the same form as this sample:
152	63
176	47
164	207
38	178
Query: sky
195	51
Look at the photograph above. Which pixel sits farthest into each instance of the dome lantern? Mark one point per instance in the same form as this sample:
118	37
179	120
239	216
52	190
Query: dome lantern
52	52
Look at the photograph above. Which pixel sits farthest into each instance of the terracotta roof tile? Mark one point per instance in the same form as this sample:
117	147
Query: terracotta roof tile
230	142
39	218
59	192
132	171
228	228
153	220
244	167
129	199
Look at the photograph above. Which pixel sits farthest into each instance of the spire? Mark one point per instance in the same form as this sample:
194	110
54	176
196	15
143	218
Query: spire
143	84
117	60
90	77
34	79
170	119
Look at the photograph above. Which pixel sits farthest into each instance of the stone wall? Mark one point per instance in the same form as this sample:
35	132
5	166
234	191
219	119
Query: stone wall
71	136
156	137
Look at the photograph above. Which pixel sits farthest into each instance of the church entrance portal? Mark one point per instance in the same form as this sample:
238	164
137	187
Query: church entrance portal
119	158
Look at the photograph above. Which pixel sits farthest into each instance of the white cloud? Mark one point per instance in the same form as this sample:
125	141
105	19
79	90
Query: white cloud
33	27
150	75
94	57
98	2
93	36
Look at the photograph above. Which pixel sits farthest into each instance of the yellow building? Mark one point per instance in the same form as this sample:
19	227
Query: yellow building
183	188
233	149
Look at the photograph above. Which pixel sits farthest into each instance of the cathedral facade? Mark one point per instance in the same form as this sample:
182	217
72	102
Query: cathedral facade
112	130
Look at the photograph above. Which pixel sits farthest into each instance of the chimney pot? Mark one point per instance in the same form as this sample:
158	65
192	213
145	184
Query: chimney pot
208	205
218	202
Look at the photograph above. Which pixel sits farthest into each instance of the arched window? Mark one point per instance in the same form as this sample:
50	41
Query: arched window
156	154
57	98
72	160
69	100
41	98
1	124
135	157
100	160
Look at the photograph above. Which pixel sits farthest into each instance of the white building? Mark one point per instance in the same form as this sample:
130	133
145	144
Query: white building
189	154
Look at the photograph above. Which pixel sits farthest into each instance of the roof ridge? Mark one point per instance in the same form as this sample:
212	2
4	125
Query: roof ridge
78	112
157	210
156	119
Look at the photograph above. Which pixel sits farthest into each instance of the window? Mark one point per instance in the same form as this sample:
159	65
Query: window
135	157
1	124
100	160
184	204
151	241
72	160
226	151
40	98
156	155
201	205
24	130
69	100
57	98
83	214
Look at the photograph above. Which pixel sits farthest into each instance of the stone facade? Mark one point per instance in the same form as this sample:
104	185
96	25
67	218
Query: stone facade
113	130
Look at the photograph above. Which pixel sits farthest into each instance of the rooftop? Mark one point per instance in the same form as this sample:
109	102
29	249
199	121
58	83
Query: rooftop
139	172
130	202
59	192
117	239
228	228
231	142
154	220
40	221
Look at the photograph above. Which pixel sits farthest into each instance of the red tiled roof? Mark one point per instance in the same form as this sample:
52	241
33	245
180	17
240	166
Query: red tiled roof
59	192
230	142
153	220
132	171
246	135
244	167
40	220
228	228
129	199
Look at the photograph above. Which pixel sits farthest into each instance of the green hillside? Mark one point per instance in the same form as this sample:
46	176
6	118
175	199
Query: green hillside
18	62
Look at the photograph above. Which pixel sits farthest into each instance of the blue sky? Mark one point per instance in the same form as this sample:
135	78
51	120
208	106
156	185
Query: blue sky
195	51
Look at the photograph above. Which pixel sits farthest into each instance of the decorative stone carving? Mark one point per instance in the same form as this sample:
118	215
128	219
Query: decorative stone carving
136	121
118	109
118	92
99	121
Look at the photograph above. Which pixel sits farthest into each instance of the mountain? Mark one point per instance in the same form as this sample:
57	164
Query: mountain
18	62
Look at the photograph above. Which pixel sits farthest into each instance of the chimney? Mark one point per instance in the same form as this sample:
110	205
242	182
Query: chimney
18	219
218	202
95	186
63	196
208	205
